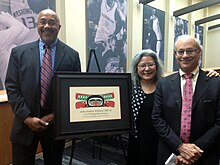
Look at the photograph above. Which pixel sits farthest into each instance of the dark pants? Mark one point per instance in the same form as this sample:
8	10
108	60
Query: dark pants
52	151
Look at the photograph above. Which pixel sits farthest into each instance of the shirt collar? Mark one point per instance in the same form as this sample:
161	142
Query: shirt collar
41	43
195	72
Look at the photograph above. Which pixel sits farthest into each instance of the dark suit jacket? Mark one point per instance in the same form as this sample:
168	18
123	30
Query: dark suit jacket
205	123
1	85
23	85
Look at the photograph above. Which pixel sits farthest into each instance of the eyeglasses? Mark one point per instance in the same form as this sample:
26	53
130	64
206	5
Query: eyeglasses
188	51
50	22
144	65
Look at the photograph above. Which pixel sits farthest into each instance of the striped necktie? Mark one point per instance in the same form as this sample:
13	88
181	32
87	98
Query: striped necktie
46	75
186	108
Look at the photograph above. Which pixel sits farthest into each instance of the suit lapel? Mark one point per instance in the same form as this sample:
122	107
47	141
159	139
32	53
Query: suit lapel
201	86
175	89
60	52
35	59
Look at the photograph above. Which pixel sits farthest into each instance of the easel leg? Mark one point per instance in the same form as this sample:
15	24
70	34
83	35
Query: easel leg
72	151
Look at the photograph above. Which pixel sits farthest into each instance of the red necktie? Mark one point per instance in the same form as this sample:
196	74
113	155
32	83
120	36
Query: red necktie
186	108
46	75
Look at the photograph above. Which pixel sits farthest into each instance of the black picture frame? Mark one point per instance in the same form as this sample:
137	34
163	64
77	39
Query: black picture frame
64	81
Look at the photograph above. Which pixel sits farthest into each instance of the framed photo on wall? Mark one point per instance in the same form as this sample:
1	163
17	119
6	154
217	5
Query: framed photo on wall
199	35
180	28
90	104
153	30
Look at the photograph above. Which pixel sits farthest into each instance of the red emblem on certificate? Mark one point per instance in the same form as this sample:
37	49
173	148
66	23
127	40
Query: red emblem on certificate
88	100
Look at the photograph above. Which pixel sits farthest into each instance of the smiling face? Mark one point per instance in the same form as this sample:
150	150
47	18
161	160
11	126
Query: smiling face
146	68
48	26
189	54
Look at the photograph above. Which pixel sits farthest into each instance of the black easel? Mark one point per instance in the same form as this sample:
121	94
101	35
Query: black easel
92	52
72	150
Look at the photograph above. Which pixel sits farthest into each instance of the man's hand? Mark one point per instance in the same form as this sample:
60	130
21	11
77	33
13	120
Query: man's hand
48	118
211	73
36	124
182	161
190	152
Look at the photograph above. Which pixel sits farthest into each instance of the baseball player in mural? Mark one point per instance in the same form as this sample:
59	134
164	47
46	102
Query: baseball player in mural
18	26
111	22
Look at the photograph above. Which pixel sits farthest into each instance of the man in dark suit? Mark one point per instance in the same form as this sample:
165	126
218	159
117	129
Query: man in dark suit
202	145
1	85
34	122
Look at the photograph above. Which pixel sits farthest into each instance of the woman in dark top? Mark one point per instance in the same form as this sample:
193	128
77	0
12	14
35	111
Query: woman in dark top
146	70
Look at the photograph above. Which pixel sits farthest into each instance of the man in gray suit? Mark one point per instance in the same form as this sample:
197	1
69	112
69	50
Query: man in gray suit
33	123
201	147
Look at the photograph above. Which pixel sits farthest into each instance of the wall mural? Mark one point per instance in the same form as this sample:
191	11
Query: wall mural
18	26
107	35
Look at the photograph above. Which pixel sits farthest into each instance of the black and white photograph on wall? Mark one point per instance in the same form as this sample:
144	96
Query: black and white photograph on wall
18	26
107	35
153	30
180	28
199	36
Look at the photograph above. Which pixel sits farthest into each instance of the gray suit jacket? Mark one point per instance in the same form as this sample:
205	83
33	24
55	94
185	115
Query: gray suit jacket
23	85
205	122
